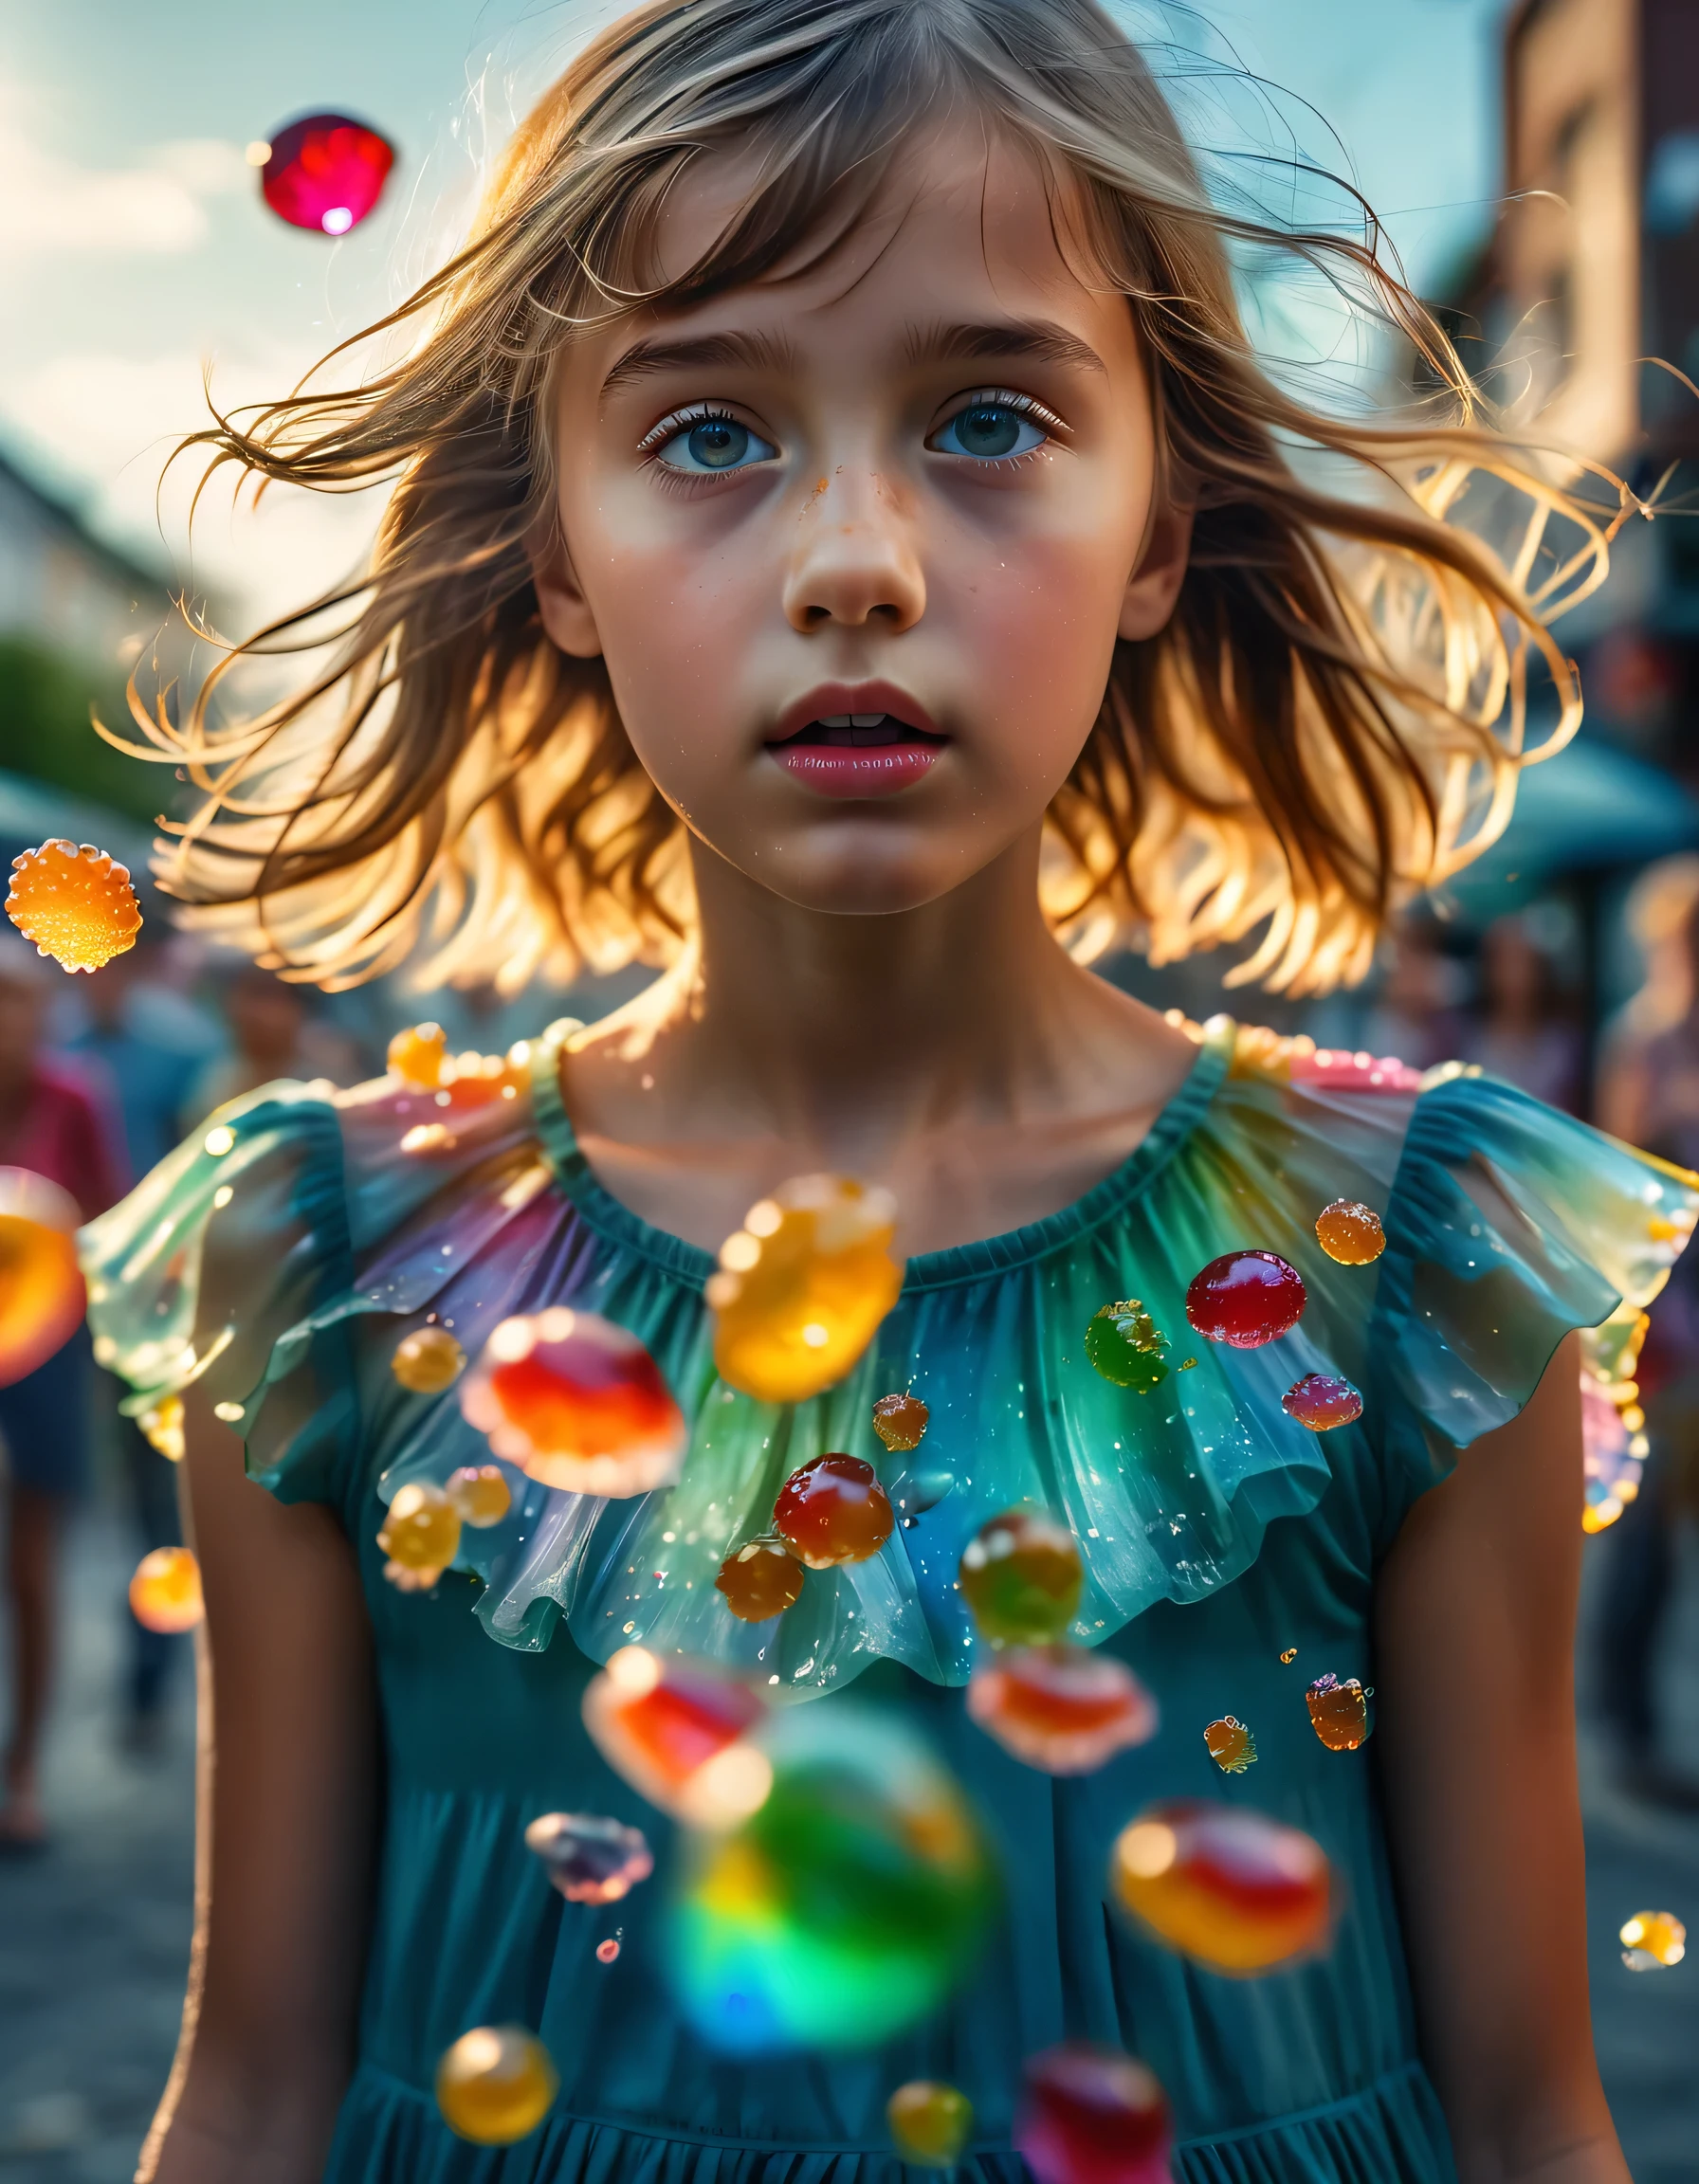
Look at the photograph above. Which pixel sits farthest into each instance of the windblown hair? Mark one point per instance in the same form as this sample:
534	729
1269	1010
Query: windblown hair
1334	717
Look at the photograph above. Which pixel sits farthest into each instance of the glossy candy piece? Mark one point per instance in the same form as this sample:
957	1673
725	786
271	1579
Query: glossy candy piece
1124	1343
1093	2116
420	1534
325	172
832	1510
428	1360
480	1494
1227	1886
802	1287
576	1403
1063	1709
1245	1298
930	2122
164	1592
74	904
761	1579
1321	1401
1231	1745
496	2085
417	1056
42	1296
1338	1712
608	1952
588	1858
900	1421
161	1425
1653	1941
1021	1576
1350	1233
676	1731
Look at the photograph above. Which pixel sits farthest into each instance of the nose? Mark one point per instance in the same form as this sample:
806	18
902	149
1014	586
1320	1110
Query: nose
856	560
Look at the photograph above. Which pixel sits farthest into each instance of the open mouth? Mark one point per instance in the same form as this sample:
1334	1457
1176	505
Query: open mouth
857	754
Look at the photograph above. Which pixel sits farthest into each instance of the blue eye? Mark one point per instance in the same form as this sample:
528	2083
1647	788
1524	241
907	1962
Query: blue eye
989	432
713	446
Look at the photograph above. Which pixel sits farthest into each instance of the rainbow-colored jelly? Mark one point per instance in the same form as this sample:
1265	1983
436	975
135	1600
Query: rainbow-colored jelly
1092	2114
1350	1233
1124	1344
588	1858
1246	1299
1021	1576
1063	1709
164	1592
761	1579
676	1730
930	2122
495	2084
576	1403
1227	1886
832	1510
1339	1713
1323	1401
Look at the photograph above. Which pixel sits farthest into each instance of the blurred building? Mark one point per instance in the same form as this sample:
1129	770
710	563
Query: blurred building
63	589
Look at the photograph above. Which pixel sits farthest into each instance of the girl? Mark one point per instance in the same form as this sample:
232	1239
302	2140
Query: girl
842	541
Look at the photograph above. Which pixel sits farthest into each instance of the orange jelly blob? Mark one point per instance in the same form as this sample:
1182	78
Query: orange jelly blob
900	1421
496	2085
481	1495
164	1592
42	1296
1063	1709
1227	1886
832	1510
428	1360
761	1579
1653	1941
577	1403
802	1287
74	904
418	1055
667	1724
1338	1712
1231	1745
1350	1233
929	2122
420	1536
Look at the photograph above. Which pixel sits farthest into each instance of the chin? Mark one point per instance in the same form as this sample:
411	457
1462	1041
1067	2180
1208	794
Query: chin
856	882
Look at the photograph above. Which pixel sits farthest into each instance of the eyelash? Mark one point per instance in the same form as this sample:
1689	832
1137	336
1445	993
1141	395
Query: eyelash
677	421
1003	398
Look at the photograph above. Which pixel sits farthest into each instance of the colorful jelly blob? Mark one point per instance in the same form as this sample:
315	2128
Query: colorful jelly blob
1063	1709
900	1421
164	1592
1338	1712
675	1730
1653	1941
74	904
480	1494
1332	1070
1231	1745
802	1287
832	1510
428	1360
930	2122
576	1403
1125	1346
1093	2116
589	1859
1021	1576
1245	1298
496	2085
161	1425
1321	1401
761	1579
421	1536
417	1056
42	1296
846	1907
607	1952
1350	1233
325	172
1229	1888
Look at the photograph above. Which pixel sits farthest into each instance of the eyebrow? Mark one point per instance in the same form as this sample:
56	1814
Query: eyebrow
1037	340
753	352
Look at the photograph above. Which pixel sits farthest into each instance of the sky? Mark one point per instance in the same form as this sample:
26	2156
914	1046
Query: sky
137	257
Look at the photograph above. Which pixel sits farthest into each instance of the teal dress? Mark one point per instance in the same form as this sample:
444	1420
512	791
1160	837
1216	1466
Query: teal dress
281	1254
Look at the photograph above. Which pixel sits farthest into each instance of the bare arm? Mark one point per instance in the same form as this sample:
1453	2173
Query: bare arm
287	1784
1476	1730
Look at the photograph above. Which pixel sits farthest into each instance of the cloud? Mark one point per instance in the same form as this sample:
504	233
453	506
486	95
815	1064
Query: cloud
54	205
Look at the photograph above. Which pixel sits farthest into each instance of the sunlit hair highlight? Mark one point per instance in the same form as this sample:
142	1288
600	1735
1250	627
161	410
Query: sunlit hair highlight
1334	717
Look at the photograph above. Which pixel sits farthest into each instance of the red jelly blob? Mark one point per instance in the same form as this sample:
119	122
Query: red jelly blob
577	1403
1064	1709
663	1723
1246	1299
1321	1401
1224	1884
326	172
1093	2116
832	1510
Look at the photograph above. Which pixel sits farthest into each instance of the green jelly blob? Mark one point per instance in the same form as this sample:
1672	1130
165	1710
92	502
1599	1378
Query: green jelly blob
1126	1346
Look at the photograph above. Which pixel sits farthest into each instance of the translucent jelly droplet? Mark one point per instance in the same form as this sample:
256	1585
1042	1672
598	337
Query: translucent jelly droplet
1338	1712
1350	1233
1288	1656
847	1905
42	1296
164	1592
900	1421
495	2085
325	172
1231	1745
664	1724
761	1579
1321	1401
930	2122
1245	1298
421	1534
832	1510
589	1859
481	1495
428	1360
1229	1888
1063	1709
607	1952
1126	1347
802	1287
1093	2116
161	1425
1021	1577
74	904
1653	1941
577	1403
418	1055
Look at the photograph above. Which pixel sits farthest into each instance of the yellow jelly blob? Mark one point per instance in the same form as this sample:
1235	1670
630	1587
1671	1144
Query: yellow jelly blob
1652	1940
420	1536
1350	1233
418	1055
930	2122
162	1426
74	904
428	1360
164	1592
496	2085
481	1495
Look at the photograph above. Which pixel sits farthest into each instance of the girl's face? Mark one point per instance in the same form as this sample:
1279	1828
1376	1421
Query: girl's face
856	545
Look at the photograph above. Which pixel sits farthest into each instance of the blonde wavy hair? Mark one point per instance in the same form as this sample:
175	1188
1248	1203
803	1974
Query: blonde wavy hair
1334	717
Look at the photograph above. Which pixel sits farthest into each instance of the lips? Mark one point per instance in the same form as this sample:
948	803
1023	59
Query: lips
856	740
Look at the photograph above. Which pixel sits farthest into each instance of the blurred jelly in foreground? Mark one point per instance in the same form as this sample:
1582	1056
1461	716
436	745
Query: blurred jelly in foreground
428	1360
42	1296
1021	1576
588	1858
420	1534
1064	1709
1093	2116
1225	1885
1653	1941
674	1729
929	2122
74	904
164	1592
576	1403
325	172
495	2084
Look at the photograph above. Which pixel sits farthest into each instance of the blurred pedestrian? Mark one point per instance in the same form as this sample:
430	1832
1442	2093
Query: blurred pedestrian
1416	1016
1522	1031
273	1033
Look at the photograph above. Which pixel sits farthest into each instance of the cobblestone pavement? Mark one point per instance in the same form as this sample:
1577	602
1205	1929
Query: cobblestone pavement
94	1935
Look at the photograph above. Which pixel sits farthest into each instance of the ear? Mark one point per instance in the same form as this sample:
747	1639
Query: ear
1153	584
561	599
